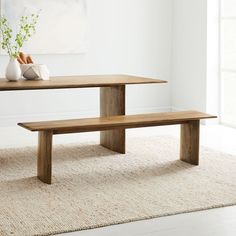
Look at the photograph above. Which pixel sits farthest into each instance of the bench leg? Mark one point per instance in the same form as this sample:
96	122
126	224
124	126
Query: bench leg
112	103
189	147
45	156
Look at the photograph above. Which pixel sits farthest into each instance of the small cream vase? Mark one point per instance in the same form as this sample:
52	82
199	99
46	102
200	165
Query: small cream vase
13	71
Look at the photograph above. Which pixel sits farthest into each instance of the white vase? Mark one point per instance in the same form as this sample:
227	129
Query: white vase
13	71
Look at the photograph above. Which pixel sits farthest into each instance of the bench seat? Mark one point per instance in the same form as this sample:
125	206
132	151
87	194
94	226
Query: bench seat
189	120
115	122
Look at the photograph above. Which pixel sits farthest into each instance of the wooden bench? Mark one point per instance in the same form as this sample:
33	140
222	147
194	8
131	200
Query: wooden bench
189	120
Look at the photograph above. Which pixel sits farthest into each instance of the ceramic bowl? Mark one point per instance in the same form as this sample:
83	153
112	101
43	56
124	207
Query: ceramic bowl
35	71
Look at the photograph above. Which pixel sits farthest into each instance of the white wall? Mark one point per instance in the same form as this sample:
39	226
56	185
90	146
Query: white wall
189	57
213	58
126	36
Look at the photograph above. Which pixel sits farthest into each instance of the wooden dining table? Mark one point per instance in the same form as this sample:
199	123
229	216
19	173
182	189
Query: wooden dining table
112	96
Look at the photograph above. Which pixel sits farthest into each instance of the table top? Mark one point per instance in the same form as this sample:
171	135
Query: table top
66	82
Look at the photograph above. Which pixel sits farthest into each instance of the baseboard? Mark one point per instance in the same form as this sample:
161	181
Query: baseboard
12	120
179	109
148	110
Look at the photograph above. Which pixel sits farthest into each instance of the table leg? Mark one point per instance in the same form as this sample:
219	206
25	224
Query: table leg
189	148
45	156
112	102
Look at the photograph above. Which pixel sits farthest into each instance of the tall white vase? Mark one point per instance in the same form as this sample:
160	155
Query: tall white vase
13	71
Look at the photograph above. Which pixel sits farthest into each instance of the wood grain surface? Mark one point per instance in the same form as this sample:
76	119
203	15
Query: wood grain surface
65	82
112	103
45	156
189	146
116	122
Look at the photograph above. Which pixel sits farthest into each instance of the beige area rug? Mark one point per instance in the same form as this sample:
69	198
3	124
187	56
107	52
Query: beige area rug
94	187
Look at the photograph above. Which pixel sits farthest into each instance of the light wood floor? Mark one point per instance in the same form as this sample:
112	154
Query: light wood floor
215	222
